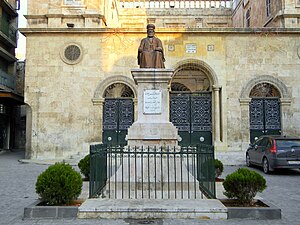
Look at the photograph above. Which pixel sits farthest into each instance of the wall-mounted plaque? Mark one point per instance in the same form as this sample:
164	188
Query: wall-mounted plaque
152	101
191	48
210	48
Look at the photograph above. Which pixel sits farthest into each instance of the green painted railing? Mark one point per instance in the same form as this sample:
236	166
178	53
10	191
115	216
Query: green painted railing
7	29
7	80
153	173
98	169
206	170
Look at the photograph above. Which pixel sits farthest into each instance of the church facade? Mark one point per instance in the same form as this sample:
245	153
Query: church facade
235	77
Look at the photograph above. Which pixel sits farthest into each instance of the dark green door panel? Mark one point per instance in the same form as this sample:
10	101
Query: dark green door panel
265	117
117	118
110	137
185	138
203	137
191	114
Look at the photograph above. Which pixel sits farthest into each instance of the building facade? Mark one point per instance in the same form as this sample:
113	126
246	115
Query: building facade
230	84
266	13
11	84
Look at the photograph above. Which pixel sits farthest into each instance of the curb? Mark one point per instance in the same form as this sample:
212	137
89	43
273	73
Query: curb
271	212
34	211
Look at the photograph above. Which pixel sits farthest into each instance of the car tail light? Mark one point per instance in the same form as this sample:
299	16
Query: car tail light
273	149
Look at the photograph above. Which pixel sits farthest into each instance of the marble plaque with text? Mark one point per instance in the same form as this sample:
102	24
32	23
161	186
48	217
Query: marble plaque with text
152	101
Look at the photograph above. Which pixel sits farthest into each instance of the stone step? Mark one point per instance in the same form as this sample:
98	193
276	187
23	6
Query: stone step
152	191
152	208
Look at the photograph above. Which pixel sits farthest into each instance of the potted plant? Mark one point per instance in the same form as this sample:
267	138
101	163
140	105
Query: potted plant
219	168
84	166
241	188
58	186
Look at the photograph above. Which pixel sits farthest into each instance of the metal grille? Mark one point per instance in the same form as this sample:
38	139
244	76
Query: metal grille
191	112
257	114
265	114
180	112
72	52
117	114
272	114
201	113
110	114
125	113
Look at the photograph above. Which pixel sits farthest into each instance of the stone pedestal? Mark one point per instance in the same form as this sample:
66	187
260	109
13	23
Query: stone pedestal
152	127
150	170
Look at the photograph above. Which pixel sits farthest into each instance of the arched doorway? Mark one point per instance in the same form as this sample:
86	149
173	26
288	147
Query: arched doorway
118	113
264	111
191	103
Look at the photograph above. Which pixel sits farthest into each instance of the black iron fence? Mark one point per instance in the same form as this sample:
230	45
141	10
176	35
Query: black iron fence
152	172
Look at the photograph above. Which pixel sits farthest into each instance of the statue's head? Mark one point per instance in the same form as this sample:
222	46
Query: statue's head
150	30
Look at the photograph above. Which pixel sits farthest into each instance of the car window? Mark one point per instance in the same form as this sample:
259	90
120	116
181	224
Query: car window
264	142
258	142
269	143
287	143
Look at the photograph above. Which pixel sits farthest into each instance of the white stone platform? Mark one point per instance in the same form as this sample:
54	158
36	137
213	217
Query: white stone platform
152	208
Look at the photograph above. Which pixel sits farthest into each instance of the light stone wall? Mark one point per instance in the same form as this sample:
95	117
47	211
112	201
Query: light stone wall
283	14
255	56
40	7
179	17
56	14
65	120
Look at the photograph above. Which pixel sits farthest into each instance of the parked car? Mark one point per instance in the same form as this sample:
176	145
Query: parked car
272	152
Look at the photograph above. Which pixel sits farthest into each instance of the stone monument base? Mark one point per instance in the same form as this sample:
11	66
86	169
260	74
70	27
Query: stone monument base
153	134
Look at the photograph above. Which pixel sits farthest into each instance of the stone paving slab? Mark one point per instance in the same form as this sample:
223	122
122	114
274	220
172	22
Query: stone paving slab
17	190
152	208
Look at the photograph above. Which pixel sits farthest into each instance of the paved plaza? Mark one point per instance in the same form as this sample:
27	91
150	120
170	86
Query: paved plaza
17	189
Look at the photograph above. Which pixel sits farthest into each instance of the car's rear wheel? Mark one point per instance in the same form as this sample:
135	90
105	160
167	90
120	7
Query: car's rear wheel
266	167
248	163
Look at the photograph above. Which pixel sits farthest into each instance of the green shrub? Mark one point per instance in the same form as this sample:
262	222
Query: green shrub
84	166
219	168
243	185
59	184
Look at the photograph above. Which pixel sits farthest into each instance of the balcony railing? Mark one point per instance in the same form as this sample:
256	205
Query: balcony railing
175	4
9	31
7	80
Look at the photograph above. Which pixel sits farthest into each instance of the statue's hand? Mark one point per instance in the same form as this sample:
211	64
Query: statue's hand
158	49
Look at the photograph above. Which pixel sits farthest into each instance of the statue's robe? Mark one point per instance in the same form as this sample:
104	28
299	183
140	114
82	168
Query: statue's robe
147	56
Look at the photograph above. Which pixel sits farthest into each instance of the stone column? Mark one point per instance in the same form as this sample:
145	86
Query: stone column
98	119
152	127
245	122
217	127
286	117
135	105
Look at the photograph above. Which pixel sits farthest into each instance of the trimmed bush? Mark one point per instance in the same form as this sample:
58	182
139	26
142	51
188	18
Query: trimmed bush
59	184
243	185
84	166
219	168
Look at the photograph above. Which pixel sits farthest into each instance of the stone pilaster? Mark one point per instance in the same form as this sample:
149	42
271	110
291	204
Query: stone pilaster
217	127
245	122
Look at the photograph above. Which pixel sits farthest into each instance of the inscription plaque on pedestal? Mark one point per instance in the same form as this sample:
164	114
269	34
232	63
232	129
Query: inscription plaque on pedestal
152	101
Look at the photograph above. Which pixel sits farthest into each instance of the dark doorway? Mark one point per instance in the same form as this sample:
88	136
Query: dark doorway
191	113
265	112
118	114
264	117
